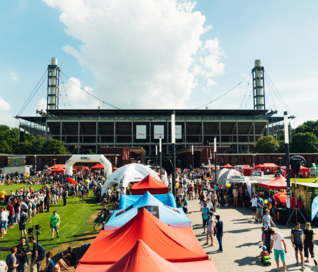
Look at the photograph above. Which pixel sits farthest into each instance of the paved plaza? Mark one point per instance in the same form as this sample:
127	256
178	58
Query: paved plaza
241	240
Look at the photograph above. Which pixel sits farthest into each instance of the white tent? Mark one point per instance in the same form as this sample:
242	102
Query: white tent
133	172
229	174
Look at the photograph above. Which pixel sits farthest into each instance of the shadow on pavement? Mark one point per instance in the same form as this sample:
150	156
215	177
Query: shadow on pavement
248	244
250	261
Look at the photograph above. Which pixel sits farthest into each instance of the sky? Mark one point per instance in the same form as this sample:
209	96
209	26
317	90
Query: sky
164	54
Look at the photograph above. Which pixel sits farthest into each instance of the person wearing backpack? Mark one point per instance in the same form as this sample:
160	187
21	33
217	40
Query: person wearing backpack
22	223
38	254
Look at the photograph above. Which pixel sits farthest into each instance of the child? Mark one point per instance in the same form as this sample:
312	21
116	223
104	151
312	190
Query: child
265	256
210	230
49	262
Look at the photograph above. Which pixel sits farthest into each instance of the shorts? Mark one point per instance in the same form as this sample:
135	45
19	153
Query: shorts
280	253
253	209
299	247
274	210
56	228
259	210
3	224
226	197
29	212
205	221
22	226
235	198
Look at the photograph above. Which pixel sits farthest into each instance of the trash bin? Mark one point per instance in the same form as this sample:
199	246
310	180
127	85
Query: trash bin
282	216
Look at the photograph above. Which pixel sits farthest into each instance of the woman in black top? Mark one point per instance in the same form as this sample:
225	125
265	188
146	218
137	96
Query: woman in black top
309	243
68	260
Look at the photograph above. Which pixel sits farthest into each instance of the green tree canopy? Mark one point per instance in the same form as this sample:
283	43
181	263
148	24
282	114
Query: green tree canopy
304	143
54	147
266	144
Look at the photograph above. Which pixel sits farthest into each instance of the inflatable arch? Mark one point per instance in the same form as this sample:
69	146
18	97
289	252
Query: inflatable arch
88	158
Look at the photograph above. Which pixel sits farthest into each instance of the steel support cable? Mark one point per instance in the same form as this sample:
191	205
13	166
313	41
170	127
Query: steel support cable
90	93
225	93
248	83
27	101
278	95
68	101
271	93
22	110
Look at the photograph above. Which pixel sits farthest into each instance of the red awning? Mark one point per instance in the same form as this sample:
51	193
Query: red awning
142	258
172	244
151	185
281	199
259	166
98	166
228	166
248	167
277	183
267	165
56	166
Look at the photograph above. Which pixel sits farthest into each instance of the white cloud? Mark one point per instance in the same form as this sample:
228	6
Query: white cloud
42	104
4	106
14	76
146	54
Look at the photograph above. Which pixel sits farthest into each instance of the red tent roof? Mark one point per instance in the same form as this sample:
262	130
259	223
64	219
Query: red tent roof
248	167
98	166
259	165
172	244
268	165
277	183
142	258
56	166
151	185
281	199
228	166
301	167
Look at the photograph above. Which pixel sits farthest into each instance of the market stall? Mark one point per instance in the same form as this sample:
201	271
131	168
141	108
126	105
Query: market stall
303	171
149	184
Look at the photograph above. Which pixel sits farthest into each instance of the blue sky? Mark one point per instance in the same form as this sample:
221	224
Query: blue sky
283	34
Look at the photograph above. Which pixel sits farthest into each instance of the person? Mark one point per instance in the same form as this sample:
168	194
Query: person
191	192
2	196
35	253
279	245
49	262
205	216
209	204
68	260
216	205
267	219
209	230
254	205
23	250
22	223
309	243
55	223
265	255
3	266
235	195
65	195
266	238
10	208
296	238
4	220
11	260
219	232
259	208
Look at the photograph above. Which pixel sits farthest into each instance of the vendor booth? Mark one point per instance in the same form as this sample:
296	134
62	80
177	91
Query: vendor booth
58	171
267	168
151	185
277	183
142	258
174	217
127	175
247	170
127	200
303	171
171	244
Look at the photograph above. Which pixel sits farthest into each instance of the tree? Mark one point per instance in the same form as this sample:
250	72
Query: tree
24	148
281	147
54	147
266	144
304	143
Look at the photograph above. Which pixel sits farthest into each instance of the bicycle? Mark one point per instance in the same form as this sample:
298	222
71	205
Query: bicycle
100	221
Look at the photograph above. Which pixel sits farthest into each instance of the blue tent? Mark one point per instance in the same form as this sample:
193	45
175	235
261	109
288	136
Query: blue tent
174	217
127	200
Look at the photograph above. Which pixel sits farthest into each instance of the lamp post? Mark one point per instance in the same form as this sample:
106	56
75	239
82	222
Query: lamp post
192	157
287	159
215	161
160	153
35	165
173	145
254	160
156	156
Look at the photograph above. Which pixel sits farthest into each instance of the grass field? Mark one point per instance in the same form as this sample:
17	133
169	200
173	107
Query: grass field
76	226
15	187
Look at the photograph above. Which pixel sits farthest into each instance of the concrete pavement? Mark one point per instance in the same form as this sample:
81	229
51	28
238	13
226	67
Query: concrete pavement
241	240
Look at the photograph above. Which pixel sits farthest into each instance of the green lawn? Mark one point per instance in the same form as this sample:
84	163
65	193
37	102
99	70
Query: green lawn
76	224
15	187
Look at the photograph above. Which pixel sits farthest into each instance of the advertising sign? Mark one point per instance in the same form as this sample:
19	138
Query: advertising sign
152	209
159	131
179	132
141	131
16	161
257	173
314	208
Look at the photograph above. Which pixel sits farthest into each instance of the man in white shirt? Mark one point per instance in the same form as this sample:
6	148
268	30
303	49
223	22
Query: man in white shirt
254	206
209	203
279	245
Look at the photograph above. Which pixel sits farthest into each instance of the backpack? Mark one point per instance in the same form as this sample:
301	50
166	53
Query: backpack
41	252
24	218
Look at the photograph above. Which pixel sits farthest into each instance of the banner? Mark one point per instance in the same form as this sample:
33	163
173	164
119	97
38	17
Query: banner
179	132
141	132
314	208
248	186
159	131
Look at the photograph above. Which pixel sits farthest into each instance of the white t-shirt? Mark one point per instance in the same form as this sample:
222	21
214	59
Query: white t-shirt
235	193
254	202
209	204
4	216
278	241
2	266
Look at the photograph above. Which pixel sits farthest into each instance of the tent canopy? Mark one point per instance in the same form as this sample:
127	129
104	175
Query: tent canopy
56	166
248	167
98	166
142	258
127	200
267	165
228	166
277	183
149	184
224	176
174	217
172	244
281	199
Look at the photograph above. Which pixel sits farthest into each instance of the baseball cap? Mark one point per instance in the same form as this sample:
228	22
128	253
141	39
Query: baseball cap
54	211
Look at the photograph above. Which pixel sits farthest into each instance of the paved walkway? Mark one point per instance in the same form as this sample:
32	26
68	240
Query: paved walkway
241	240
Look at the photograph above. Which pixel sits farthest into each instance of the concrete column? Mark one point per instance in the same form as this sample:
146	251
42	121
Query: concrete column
167	139
254	139
202	126
78	136
220	133
97	138
237	139
114	133
185	134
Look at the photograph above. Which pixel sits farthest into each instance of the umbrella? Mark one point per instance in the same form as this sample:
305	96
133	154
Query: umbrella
71	180
86	168
87	180
98	166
